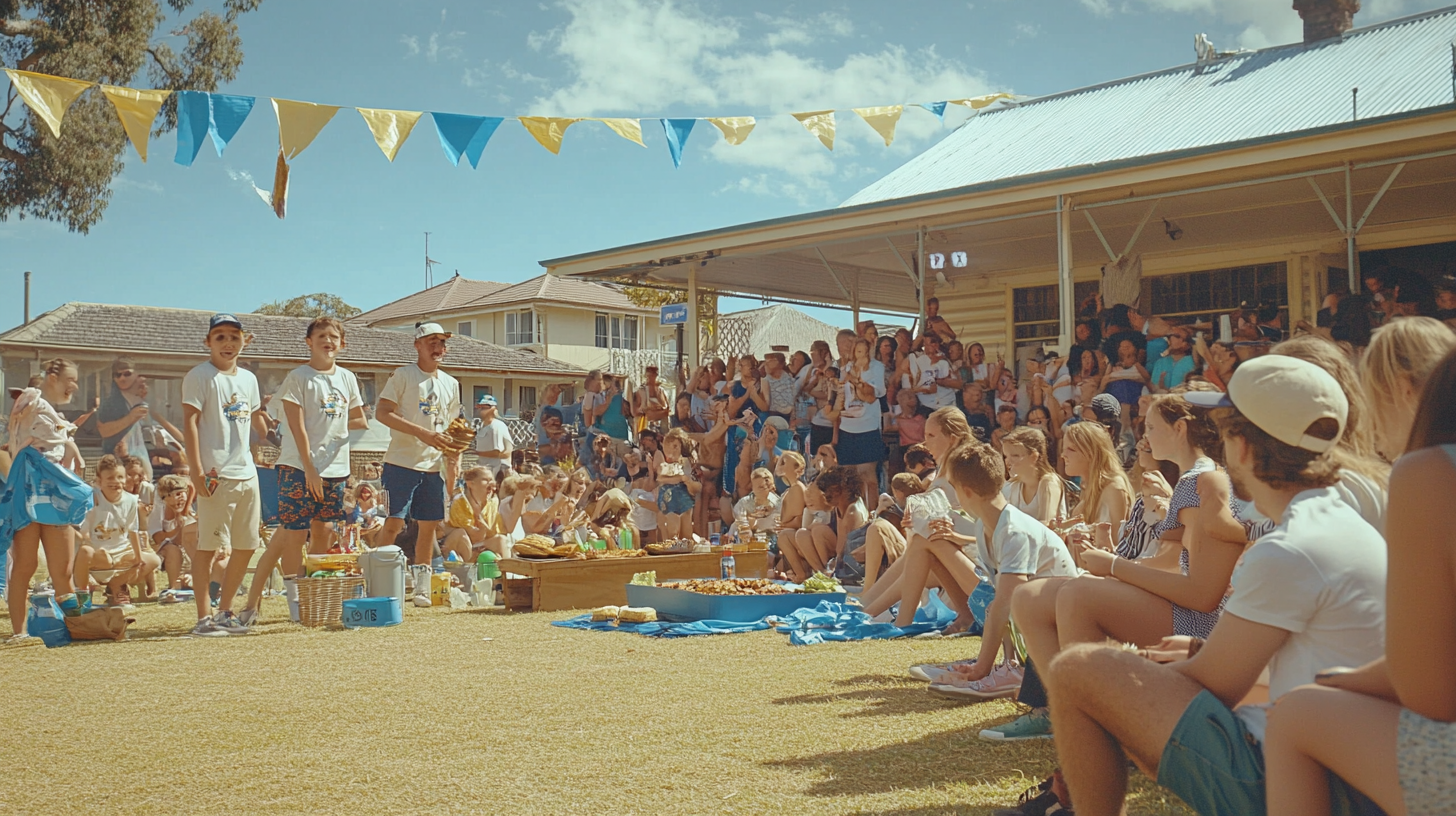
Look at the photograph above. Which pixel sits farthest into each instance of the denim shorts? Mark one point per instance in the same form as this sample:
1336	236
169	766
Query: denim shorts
675	500
414	494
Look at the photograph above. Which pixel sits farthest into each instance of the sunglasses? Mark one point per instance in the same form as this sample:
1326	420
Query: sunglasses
118	375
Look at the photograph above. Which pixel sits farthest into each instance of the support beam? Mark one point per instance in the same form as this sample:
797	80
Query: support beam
908	272
695	331
1352	257
1329	208
1111	256
1384	188
920	267
844	290
1066	294
1137	233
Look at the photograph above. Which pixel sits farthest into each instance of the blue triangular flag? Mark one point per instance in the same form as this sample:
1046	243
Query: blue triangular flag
937	108
464	135
228	113
677	131
192	123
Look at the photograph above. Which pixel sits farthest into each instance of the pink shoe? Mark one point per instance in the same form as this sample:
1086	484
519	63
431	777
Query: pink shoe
1003	681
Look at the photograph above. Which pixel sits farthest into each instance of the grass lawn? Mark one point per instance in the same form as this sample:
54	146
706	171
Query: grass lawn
482	711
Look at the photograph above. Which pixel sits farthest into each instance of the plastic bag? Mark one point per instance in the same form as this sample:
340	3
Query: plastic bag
923	508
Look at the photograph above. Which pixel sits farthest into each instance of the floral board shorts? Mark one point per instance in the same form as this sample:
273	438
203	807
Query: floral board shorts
297	508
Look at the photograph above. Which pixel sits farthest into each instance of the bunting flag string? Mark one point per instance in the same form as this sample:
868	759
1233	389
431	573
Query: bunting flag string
676	131
200	113
390	127
137	110
548	130
979	102
464	135
629	129
735	129
883	119
48	96
299	124
937	108
819	123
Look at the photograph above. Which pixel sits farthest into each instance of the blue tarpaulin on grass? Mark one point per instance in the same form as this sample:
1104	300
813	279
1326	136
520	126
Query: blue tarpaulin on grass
829	622
664	629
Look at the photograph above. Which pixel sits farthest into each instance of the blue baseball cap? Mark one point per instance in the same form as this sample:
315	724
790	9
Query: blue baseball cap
223	319
486	400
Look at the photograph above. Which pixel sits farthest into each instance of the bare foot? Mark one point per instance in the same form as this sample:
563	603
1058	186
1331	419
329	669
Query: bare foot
960	624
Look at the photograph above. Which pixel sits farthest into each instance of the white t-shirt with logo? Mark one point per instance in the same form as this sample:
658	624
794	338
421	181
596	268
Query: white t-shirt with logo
226	403
1320	575
427	400
326	398
108	525
866	415
923	373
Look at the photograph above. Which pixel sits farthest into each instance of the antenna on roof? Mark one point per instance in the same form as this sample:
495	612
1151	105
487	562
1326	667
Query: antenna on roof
429	264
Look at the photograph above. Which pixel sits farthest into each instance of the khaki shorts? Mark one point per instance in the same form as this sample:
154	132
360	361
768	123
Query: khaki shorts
230	517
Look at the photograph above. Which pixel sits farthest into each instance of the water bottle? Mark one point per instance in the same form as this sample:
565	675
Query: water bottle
714	540
729	569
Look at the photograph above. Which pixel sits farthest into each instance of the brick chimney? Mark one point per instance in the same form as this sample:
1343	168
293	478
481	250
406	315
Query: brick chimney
1324	19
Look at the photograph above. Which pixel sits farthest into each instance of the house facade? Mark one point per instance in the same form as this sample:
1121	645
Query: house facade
580	323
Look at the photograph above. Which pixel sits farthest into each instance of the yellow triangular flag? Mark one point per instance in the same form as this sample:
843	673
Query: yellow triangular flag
48	96
819	123
978	102
629	129
735	128
390	127
882	119
299	123
548	130
137	109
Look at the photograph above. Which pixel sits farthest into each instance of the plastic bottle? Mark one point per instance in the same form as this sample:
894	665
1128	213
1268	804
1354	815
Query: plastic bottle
714	540
729	568
625	539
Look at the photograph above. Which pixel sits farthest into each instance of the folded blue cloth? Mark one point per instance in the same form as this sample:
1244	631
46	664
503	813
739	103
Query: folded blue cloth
40	491
664	629
831	621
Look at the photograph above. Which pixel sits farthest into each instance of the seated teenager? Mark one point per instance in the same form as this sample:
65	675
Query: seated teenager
814	548
1011	548
1034	486
1389	728
756	515
1307	595
884	543
474	522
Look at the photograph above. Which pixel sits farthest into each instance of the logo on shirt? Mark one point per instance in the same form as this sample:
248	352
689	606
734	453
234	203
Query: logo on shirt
236	410
103	533
430	405
334	405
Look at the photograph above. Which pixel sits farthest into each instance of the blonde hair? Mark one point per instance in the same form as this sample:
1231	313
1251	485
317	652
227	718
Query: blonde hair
1356	449
795	458
167	485
953	424
764	472
1104	473
1405	350
1034	441
477	474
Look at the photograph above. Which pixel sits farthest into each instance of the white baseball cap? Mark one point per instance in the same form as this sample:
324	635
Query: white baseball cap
1283	396
430	330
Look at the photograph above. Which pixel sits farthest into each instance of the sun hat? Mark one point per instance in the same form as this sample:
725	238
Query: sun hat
1283	396
423	330
778	423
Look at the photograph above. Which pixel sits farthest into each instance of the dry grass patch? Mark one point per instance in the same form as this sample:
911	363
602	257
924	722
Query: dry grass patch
459	712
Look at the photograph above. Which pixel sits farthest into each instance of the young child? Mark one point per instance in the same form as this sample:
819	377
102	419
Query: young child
172	527
644	498
759	509
676	486
146	493
1012	548
1126	380
321	404
1005	424
112	536
474	523
220	402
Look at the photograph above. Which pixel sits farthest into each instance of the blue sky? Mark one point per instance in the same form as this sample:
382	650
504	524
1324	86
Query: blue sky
200	237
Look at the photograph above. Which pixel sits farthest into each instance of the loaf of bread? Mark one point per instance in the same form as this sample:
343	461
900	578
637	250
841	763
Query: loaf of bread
636	614
605	613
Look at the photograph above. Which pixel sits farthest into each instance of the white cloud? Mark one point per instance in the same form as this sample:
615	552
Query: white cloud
411	44
124	183
1266	23
1101	8
655	57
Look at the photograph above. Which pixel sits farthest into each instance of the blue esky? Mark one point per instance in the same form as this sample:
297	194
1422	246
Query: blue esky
200	237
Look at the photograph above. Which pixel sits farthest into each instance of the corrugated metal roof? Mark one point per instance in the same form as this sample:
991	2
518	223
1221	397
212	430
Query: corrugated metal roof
1399	67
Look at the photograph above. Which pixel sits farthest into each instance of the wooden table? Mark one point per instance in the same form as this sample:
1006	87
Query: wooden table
563	583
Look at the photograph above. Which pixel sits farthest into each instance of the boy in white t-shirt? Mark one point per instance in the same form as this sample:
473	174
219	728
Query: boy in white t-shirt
221	407
111	542
321	404
417	405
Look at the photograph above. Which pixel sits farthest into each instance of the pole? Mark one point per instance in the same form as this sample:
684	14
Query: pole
694	331
920	271
27	297
854	302
1351	257
1066	295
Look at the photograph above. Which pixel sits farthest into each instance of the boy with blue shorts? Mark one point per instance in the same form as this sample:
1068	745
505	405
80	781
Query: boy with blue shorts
417	405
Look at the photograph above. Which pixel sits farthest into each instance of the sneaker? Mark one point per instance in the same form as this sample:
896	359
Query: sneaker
931	672
22	640
1038	800
228	622
423	601
1003	681
248	617
206	628
1037	724
168	596
121	598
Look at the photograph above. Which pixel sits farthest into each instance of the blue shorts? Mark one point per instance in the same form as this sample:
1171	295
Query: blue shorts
414	494
675	500
298	509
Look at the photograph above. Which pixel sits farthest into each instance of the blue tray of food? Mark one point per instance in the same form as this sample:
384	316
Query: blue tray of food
681	605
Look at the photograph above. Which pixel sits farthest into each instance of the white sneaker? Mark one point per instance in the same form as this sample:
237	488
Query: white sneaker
932	672
1003	681
423	601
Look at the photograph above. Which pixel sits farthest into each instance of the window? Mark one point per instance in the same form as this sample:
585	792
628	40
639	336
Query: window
617	331
629	333
1034	309
602	341
528	398
465	328
368	391
520	328
478	392
1200	294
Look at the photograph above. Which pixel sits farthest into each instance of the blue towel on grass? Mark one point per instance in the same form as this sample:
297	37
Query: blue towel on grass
664	629
840	622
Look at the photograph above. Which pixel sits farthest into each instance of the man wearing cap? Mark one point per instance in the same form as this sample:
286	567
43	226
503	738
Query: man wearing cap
417	405
1307	596
493	444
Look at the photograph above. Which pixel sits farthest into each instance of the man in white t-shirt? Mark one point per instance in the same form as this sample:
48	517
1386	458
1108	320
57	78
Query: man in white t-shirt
930	376
320	403
417	404
493	444
1308	595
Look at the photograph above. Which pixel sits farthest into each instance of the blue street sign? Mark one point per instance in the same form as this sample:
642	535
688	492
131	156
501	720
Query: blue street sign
674	315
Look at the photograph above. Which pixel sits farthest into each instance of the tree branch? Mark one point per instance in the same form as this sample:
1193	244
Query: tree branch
22	28
166	69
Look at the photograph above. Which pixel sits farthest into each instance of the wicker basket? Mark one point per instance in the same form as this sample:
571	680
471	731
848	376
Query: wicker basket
321	600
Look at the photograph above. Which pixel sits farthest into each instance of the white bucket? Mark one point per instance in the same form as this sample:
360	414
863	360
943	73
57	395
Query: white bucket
384	571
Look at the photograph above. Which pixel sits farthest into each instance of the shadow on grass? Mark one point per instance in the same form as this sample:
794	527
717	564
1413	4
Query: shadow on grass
883	695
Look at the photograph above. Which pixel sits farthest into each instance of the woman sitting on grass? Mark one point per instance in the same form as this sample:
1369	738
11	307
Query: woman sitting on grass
815	547
1034	486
